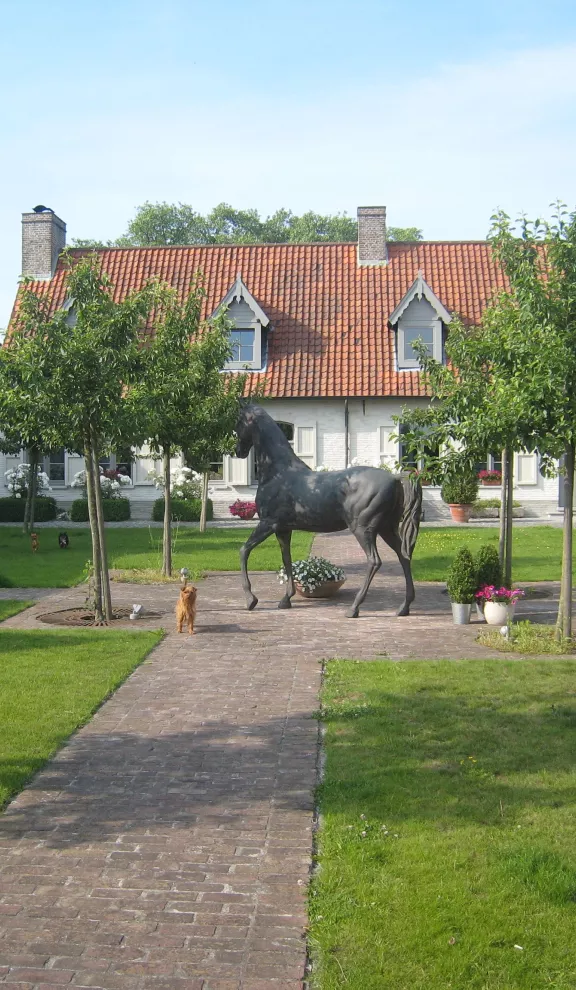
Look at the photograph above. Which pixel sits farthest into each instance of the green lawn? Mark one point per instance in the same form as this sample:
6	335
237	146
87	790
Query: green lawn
11	607
537	551
448	834
50	683
51	567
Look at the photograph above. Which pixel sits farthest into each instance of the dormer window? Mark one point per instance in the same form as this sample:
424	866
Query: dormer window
420	314
247	334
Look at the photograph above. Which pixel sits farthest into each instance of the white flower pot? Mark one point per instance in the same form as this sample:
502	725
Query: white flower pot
461	613
497	613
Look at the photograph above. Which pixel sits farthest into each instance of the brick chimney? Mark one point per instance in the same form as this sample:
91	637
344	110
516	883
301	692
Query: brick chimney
372	248
43	238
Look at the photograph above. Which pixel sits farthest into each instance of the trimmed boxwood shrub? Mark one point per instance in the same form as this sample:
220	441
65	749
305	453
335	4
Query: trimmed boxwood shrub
115	509
12	509
183	510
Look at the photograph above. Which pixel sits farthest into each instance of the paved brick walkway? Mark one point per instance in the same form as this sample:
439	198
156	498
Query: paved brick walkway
167	846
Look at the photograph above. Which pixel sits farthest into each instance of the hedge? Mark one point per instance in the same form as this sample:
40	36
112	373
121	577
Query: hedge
115	509
183	510
12	509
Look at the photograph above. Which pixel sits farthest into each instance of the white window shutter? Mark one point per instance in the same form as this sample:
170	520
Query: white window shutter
388	448
526	469
235	470
305	444
74	464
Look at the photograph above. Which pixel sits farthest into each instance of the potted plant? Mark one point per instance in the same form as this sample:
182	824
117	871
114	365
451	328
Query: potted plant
488	477
460	492
498	603
462	584
488	572
244	510
315	577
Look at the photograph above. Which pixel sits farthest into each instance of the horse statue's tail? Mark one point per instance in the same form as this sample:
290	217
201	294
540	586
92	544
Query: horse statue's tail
410	520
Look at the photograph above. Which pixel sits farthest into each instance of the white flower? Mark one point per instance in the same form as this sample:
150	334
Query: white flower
17	495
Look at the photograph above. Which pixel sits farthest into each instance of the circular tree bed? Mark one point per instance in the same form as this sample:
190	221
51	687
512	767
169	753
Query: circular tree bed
85	616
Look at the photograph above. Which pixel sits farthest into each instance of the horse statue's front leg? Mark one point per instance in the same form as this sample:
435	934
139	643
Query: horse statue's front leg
284	539
261	533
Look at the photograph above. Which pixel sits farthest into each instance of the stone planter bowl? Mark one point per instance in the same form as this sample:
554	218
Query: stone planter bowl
328	589
497	613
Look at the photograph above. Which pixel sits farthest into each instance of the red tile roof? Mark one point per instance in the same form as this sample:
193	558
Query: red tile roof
331	335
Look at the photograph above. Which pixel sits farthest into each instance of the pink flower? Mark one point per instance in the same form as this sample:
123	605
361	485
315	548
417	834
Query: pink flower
506	596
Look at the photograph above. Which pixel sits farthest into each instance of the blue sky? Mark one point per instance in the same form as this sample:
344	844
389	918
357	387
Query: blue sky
441	111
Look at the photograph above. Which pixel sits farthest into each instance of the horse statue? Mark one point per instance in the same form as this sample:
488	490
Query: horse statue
368	501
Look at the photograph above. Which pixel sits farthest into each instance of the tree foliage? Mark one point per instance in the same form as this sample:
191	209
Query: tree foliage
180	224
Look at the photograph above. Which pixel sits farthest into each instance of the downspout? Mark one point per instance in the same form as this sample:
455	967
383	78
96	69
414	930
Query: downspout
346	434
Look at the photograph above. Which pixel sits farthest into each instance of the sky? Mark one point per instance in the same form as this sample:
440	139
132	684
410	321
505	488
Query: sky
442	111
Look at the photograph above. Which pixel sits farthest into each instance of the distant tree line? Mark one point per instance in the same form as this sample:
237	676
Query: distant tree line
179	224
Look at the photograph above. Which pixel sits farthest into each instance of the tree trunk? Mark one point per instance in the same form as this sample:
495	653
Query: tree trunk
33	487
26	526
204	509
503	515
104	575
96	557
167	538
509	510
564	621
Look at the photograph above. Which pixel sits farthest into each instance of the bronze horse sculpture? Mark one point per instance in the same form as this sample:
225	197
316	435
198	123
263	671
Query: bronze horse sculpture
368	501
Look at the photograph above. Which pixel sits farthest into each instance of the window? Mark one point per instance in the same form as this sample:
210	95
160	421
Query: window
288	431
410	460
121	461
216	469
242	343
493	462
408	333
54	463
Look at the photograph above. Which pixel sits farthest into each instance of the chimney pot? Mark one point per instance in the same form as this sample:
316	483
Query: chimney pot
43	238
372	248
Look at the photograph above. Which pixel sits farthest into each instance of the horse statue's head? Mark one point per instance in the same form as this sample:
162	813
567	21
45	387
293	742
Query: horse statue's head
245	430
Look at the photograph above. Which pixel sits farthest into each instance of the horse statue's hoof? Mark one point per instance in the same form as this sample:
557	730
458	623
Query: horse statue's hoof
251	602
352	613
405	610
284	603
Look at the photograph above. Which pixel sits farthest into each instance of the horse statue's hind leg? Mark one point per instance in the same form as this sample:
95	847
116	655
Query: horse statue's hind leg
261	533
284	539
395	544
367	540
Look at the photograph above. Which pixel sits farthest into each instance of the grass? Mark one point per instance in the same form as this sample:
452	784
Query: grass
448	835
537	551
11	606
50	683
526	637
128	549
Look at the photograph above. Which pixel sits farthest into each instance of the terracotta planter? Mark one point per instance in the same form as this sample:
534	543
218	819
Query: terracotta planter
497	613
460	513
326	590
491	484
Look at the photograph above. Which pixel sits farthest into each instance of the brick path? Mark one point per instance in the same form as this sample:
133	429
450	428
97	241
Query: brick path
167	846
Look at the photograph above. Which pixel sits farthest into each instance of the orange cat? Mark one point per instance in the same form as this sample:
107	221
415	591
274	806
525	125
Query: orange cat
186	608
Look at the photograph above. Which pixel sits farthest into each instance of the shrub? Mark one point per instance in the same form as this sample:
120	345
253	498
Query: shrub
462	581
183	510
12	509
115	510
493	503
462	490
488	569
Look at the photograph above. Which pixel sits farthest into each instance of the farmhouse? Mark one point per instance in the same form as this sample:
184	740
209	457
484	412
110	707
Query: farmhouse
326	331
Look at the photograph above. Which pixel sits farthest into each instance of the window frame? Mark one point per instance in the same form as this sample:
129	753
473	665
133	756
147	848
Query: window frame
413	364
256	363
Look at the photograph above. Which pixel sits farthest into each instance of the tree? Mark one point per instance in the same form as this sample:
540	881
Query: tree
180	224
98	354
539	260
26	364
181	396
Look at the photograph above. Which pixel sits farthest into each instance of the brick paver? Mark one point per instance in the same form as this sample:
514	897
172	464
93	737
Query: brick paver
168	845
